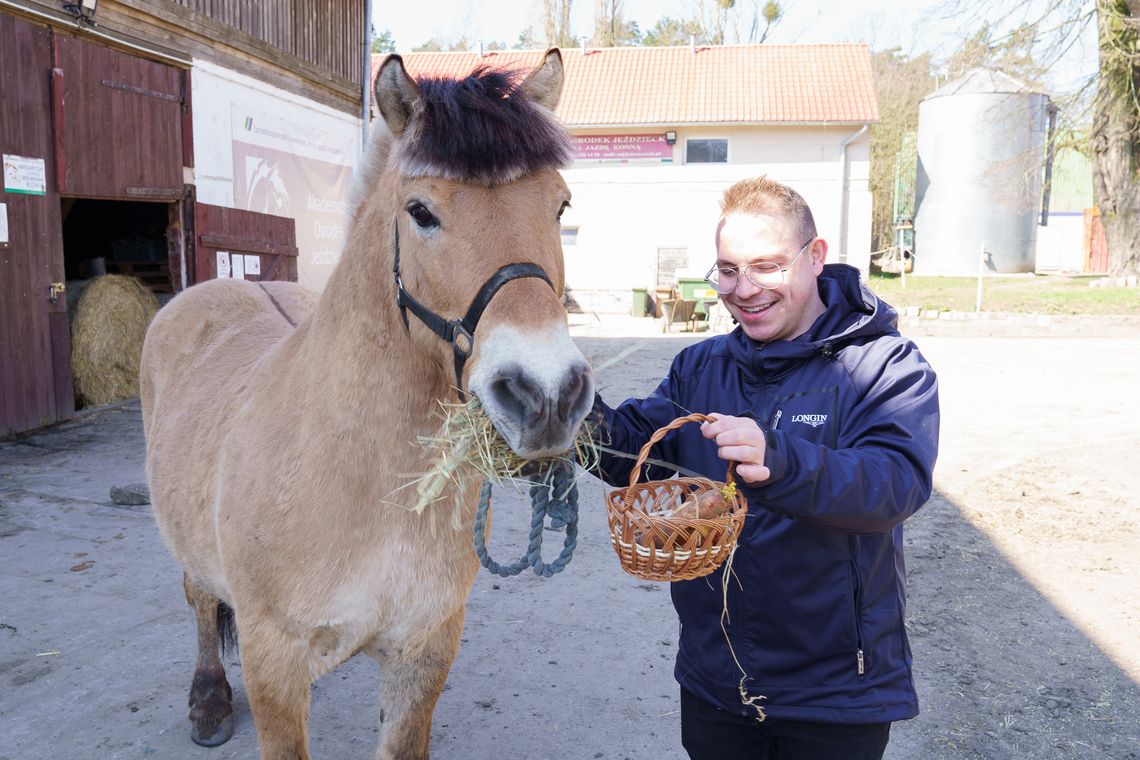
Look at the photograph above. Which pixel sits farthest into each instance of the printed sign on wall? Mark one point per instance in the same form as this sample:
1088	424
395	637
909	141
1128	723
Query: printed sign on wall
223	267
27	176
622	149
296	170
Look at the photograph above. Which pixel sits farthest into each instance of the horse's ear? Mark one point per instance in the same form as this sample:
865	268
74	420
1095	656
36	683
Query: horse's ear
395	93
544	84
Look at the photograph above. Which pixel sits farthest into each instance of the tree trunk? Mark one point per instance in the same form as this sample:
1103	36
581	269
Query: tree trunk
1116	133
564	38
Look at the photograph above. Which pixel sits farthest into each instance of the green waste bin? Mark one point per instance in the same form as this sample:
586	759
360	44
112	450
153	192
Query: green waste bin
640	299
696	289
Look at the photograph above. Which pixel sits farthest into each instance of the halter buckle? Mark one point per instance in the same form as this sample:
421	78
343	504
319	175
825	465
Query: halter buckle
462	340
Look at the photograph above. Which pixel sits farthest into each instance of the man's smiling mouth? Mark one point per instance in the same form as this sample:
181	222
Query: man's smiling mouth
756	309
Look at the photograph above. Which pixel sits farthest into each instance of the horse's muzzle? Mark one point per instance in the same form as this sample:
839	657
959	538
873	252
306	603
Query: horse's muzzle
535	418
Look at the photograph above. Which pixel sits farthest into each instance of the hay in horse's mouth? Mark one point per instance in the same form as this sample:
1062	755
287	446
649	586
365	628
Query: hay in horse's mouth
468	446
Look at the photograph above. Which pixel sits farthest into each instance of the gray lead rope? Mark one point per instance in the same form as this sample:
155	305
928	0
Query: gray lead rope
556	497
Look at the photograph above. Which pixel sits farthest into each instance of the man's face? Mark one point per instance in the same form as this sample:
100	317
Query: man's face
788	310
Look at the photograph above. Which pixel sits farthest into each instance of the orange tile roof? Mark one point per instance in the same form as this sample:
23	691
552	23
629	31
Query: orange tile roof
732	84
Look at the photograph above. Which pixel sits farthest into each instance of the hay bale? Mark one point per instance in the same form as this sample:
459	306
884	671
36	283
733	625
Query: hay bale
111	318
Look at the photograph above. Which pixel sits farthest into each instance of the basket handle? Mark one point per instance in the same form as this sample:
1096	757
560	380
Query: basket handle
661	433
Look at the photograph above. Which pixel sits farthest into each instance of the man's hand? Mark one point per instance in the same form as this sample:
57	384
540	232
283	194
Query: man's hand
740	440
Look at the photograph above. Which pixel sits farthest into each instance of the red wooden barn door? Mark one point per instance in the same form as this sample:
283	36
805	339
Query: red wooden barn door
35	345
266	244
118	123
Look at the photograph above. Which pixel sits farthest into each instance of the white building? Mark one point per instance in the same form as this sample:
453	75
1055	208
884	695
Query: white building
661	132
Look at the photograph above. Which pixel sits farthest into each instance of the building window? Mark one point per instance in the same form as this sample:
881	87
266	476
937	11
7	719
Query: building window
569	236
713	151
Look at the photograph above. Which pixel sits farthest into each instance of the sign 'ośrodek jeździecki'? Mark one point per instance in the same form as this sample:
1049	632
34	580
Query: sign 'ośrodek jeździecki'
618	148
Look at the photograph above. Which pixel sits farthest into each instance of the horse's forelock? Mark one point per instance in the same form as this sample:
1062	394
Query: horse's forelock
482	129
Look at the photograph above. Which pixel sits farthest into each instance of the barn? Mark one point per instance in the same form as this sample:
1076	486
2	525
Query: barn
660	132
171	140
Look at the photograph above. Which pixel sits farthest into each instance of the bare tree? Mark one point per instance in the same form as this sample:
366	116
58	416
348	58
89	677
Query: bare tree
724	21
1116	132
556	22
766	12
901	82
713	16
610	27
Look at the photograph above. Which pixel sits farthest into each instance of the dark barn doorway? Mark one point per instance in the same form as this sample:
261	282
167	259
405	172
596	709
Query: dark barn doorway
117	237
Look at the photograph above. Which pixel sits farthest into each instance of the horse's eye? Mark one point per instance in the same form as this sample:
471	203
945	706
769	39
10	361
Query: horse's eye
562	209
422	216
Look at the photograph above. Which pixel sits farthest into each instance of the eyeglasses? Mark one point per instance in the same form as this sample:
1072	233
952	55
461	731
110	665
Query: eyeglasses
763	274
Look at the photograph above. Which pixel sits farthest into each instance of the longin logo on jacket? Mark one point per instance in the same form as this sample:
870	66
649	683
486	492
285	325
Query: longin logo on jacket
815	420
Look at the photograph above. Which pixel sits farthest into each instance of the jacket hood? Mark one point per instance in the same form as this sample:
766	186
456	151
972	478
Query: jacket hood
852	312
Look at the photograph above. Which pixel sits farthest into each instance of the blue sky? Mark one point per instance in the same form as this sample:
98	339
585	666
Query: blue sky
914	25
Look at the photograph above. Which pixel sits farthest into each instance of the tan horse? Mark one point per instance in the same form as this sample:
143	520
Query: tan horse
279	424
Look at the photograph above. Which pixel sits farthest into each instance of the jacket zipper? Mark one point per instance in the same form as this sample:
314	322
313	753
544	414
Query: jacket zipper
857	601
776	419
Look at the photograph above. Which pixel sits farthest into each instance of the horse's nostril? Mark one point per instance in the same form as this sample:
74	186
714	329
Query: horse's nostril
576	394
516	391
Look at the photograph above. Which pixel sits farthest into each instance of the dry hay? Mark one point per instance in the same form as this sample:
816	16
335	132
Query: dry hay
111	318
468	447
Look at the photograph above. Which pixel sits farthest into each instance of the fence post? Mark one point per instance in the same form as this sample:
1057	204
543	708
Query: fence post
981	273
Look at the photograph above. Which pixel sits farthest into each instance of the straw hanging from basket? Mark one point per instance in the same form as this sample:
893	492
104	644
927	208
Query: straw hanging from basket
655	540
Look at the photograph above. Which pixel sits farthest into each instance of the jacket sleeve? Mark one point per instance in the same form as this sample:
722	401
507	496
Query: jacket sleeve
881	471
621	432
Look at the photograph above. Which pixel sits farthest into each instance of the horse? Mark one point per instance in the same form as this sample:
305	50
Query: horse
280	425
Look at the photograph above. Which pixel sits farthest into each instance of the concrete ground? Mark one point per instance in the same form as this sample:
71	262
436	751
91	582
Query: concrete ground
1023	570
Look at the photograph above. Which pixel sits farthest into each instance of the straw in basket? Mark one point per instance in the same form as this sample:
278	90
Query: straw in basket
652	540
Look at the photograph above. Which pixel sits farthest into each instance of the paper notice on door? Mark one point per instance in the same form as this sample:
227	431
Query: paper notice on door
24	175
223	264
3	223
253	265
237	266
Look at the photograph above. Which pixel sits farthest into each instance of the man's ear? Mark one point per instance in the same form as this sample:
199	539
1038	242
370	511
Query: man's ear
818	255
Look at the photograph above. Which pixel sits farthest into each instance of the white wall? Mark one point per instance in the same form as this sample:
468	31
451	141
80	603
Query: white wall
625	212
1061	244
310	134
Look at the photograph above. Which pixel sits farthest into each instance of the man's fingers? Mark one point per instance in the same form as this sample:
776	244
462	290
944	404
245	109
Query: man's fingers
740	436
742	454
753	473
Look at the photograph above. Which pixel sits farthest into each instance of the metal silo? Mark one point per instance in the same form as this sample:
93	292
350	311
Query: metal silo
981	143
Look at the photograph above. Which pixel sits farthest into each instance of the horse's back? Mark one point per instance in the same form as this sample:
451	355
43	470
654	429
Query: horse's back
199	365
211	335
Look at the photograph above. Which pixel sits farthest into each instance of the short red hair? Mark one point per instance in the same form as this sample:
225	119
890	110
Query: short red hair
767	197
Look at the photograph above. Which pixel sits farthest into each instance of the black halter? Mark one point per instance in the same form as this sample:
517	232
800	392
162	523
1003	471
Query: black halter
459	332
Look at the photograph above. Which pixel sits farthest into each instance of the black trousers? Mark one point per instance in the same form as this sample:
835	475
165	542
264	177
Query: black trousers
710	733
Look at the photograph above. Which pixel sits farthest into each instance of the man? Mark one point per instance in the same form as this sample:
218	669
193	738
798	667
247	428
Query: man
832	419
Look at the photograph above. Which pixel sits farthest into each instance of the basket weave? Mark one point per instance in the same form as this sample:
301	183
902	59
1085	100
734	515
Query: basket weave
657	547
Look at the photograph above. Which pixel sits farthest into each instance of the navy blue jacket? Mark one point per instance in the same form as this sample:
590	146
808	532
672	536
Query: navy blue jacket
850	411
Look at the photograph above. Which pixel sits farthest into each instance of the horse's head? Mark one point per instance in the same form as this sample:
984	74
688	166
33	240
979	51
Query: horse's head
472	186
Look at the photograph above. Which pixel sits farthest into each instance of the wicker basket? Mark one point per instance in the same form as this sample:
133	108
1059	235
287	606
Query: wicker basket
661	547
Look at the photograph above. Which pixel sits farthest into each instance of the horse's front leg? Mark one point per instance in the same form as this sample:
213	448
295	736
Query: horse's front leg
276	677
413	681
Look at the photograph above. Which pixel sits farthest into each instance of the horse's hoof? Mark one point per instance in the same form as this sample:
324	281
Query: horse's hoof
220	734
